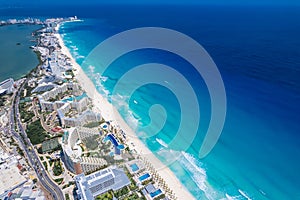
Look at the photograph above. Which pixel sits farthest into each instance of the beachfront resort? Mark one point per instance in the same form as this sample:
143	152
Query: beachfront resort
84	154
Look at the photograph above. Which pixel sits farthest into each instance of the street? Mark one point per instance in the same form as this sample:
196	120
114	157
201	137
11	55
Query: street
28	148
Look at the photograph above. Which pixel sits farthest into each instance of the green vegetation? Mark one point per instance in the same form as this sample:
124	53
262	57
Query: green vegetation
58	135
59	180
39	150
38	55
133	196
25	114
52	99
92	125
51	145
121	192
162	196
68	185
82	149
12	142
28	92
36	133
20	152
132	185
51	162
45	165
70	72
102	121
67	197
2	100
146	182
57	168
106	196
91	142
42	158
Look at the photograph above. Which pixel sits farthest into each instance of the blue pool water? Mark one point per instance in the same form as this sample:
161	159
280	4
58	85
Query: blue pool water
118	147
134	167
67	99
105	139
78	98
157	192
113	139
144	177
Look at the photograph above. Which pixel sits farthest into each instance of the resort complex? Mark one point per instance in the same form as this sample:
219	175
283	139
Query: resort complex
149	100
67	139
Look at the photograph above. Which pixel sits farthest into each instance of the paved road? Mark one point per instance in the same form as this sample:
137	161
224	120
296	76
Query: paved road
42	175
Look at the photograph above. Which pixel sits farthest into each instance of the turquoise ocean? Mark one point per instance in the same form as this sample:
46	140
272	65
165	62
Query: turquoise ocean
256	49
257	52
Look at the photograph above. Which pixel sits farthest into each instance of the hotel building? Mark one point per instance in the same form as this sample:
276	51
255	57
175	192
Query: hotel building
97	183
73	158
7	86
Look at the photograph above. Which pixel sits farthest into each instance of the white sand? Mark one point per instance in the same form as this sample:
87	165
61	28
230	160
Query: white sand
111	114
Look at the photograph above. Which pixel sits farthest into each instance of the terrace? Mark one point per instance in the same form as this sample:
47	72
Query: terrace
152	192
135	166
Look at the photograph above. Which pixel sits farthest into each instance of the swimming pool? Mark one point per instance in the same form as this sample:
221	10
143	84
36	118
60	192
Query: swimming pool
144	177
72	98
134	167
157	192
118	147
105	139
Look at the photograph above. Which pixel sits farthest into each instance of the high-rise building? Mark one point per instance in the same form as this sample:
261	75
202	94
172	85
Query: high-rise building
7	86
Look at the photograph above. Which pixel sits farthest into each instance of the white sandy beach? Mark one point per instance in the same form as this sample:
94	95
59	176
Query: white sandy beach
111	114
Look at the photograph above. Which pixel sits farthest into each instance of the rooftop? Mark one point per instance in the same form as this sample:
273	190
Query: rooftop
111	178
10	178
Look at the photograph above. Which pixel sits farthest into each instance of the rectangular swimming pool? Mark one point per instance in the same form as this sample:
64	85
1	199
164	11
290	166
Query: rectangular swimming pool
157	192
134	167
144	177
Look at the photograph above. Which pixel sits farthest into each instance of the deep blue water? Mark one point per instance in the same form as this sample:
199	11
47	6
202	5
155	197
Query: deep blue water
257	51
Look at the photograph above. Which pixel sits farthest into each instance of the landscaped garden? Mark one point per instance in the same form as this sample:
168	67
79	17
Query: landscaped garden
57	168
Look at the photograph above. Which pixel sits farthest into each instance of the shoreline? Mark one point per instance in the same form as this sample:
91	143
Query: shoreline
110	113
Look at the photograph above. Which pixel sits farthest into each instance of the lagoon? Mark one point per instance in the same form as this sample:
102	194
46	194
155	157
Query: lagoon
15	55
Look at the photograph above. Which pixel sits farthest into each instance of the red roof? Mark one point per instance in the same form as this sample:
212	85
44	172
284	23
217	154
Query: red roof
19	166
56	129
